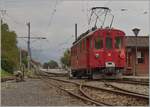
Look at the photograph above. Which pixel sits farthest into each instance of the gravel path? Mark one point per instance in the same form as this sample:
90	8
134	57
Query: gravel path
34	92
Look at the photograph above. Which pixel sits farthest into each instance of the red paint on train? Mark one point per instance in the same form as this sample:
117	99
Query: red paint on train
99	52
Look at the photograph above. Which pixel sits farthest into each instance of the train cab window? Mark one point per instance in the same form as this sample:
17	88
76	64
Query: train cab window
98	43
108	43
118	42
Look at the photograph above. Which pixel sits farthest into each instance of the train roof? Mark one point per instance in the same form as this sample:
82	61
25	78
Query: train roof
89	32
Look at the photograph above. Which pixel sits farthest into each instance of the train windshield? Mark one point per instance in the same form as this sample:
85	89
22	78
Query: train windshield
118	42
98	43
108	42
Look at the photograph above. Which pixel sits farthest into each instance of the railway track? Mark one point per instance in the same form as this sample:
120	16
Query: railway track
121	89
57	74
118	81
124	94
76	91
130	82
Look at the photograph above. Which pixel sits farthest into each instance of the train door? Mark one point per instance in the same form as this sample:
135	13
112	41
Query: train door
88	57
108	49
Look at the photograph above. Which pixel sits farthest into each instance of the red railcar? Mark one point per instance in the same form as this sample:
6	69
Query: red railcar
99	52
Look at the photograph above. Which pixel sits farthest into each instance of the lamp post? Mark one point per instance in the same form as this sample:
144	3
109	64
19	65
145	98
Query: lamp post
136	32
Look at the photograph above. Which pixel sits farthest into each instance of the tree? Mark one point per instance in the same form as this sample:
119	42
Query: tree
10	52
66	59
51	64
45	65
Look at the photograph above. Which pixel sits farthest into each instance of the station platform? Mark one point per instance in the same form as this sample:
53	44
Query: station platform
137	78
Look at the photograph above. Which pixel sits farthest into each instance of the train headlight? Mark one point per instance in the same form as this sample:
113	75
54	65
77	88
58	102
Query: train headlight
109	54
97	55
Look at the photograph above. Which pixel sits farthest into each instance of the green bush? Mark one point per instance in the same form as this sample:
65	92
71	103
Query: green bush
9	49
7	65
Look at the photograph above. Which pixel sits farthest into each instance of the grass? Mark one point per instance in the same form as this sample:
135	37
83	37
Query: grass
4	74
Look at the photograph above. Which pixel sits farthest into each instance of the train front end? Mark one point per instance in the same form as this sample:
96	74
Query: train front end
109	57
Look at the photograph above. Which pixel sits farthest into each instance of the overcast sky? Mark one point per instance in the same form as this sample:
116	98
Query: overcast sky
55	19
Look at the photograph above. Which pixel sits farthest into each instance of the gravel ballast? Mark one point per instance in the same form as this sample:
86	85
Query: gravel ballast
34	92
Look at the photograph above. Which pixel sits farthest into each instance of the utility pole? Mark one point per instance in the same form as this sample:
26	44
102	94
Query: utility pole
28	45
20	57
75	31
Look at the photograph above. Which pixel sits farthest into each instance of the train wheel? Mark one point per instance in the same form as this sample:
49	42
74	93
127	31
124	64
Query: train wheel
96	76
71	74
119	74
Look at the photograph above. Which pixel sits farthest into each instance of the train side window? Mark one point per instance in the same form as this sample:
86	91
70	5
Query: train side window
98	43
84	44
80	46
108	42
118	42
90	43
75	50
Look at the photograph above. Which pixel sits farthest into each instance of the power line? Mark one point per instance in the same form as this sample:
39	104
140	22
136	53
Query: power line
53	13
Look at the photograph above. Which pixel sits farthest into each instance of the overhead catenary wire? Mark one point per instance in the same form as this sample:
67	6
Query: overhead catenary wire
53	13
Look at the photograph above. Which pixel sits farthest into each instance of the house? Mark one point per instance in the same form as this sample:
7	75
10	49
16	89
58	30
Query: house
141	66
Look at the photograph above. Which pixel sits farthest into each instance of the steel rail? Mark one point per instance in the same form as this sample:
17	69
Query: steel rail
73	94
119	92
131	82
108	90
88	96
76	95
118	88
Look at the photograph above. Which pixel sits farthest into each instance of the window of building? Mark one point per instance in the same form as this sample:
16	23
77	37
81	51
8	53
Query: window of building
108	43
140	57
98	43
118	42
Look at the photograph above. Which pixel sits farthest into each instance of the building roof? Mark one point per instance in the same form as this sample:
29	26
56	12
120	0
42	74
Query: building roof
142	41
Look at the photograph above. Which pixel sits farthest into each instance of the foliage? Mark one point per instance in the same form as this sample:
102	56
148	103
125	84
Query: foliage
6	65
45	65
10	53
5	74
51	64
66	59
